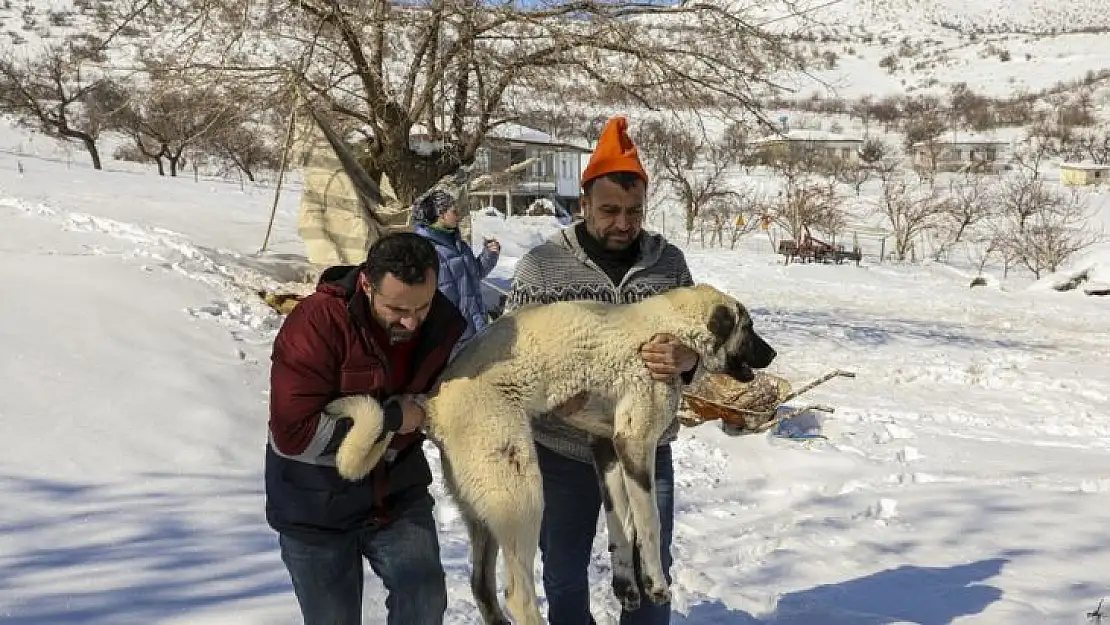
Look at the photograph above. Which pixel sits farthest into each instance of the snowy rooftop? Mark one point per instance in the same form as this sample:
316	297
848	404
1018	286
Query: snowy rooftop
1086	166
960	137
803	134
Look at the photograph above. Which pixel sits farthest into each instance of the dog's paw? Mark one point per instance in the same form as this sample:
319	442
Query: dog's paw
625	590
657	592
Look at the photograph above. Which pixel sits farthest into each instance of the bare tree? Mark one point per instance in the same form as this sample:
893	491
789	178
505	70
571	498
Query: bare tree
986	247
912	207
172	115
253	132
805	200
832	223
1091	146
1055	233
459	69
972	202
61	91
727	219
1041	228
696	170
241	146
1041	142
751	214
854	174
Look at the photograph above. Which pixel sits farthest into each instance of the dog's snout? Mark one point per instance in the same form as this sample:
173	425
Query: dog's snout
755	353
762	354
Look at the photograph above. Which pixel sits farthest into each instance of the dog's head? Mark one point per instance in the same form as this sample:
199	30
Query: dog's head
731	344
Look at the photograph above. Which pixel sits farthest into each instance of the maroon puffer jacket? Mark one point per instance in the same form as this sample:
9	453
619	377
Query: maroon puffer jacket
326	349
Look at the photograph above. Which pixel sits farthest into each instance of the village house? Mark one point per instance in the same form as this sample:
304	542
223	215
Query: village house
555	174
960	151
809	144
1084	174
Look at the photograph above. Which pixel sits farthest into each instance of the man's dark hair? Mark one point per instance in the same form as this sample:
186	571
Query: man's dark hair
626	179
406	255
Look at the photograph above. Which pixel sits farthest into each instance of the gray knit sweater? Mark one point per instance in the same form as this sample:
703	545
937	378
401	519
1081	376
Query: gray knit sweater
559	270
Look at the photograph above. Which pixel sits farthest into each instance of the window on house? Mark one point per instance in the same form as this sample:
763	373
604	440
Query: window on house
482	159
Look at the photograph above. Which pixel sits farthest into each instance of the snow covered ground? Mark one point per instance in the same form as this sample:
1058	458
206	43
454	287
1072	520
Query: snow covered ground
965	476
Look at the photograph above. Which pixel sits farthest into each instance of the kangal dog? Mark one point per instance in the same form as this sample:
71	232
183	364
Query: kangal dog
576	361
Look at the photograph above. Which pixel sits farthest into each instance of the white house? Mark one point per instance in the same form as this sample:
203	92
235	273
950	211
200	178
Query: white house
555	175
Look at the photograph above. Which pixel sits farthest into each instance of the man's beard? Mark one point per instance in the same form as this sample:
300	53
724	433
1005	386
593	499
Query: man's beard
619	242
400	334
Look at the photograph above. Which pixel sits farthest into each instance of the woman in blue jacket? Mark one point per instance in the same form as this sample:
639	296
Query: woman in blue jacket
436	216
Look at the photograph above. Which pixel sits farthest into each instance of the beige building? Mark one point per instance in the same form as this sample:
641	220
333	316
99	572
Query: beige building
810	144
961	151
1083	174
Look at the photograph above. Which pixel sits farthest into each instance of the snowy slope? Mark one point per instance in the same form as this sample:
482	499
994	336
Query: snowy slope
936	43
966	475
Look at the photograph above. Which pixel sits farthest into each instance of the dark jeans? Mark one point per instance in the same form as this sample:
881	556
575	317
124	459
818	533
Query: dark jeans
572	505
327	578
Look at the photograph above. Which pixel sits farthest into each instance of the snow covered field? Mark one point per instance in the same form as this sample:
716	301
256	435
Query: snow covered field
965	476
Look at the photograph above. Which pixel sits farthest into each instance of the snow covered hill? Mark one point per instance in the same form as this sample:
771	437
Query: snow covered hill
963	478
997	47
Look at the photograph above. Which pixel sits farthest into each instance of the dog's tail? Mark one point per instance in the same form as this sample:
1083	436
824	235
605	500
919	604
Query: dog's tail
360	450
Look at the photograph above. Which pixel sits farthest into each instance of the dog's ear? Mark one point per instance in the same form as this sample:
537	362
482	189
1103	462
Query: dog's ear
722	323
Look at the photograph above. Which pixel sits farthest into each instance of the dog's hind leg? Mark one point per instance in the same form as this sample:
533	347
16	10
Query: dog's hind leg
519	550
483	575
496	480
483	555
618	520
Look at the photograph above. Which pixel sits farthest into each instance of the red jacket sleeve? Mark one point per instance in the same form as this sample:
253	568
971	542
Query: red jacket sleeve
304	375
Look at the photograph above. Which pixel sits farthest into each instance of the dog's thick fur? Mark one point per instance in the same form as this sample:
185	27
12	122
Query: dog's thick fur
578	361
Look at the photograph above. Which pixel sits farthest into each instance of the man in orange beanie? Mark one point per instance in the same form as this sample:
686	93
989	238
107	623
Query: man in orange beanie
605	257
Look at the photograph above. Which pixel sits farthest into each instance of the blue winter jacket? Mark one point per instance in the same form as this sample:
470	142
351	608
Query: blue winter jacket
460	275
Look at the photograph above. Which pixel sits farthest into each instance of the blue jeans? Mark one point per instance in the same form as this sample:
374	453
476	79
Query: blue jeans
327	575
572	505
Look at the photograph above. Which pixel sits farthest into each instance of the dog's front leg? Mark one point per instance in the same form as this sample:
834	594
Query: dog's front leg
638	424
618	519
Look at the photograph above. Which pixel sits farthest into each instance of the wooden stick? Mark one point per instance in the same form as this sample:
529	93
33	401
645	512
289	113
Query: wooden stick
818	382
771	413
281	177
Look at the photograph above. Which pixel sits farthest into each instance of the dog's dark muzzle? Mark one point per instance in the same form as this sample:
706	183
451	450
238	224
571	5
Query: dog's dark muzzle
756	354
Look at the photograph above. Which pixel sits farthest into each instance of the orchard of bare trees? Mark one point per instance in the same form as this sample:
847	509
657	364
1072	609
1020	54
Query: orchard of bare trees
202	76
1013	218
79	86
218	79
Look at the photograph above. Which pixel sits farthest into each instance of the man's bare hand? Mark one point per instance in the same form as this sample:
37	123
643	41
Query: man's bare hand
412	415
666	357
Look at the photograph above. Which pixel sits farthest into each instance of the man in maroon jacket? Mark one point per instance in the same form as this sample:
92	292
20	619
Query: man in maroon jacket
381	329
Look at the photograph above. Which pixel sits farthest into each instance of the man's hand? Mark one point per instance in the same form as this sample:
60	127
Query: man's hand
666	357
493	246
413	415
